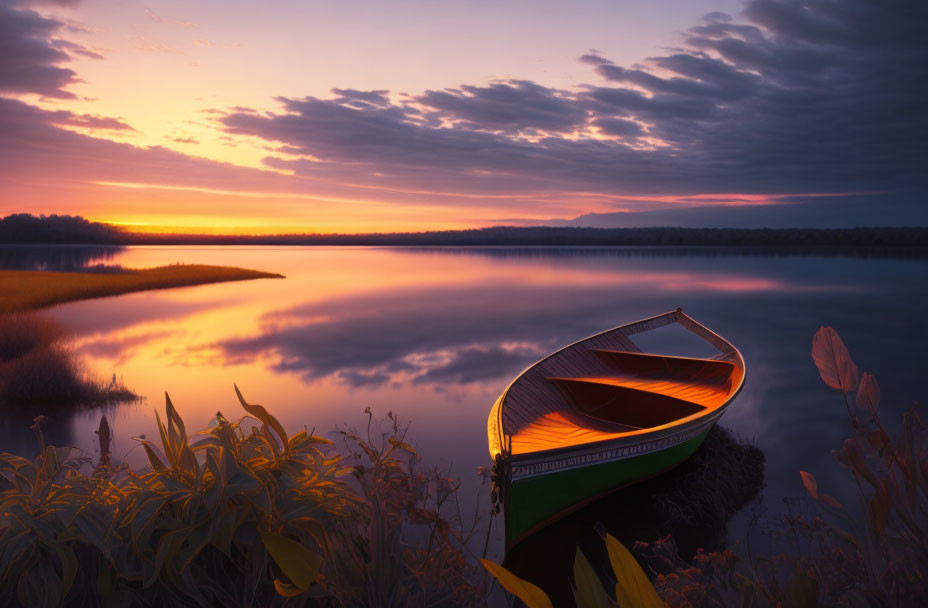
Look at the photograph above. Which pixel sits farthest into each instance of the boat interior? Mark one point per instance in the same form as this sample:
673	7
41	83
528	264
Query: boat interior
604	387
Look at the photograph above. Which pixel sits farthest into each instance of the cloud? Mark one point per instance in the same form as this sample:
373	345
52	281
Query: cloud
156	18
30	56
511	106
183	140
791	97
377	99
618	126
74	48
88	121
594	58
842	211
31	143
794	97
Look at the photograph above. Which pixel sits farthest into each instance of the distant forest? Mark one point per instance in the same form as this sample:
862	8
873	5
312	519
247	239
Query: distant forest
23	228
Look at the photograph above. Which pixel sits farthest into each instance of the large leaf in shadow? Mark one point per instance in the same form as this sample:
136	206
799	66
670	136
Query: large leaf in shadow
533	596
633	588
588	591
833	360
300	564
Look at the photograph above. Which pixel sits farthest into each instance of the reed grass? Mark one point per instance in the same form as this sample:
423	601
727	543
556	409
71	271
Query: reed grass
38	367
22	290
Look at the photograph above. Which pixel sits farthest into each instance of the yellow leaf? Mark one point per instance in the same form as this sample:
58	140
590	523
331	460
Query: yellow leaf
402	445
259	412
588	591
300	564
524	590
633	589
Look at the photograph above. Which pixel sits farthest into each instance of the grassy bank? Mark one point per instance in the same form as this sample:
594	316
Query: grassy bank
22	290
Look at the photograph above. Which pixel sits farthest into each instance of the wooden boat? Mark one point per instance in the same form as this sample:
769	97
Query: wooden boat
601	414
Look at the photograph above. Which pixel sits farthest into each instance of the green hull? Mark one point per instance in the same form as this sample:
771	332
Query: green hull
534	501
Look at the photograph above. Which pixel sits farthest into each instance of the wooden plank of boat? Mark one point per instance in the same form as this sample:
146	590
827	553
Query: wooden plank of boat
600	414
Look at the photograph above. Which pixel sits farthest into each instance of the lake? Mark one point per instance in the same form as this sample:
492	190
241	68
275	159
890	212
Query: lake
435	334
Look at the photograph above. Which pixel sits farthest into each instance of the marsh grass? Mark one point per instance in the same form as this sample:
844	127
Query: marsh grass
22	290
39	368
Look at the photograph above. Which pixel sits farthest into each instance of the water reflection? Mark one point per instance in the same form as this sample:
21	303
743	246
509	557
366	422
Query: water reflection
19	439
62	259
436	335
482	330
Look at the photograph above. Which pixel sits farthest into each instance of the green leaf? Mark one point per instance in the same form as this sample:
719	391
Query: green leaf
174	417
166	553
633	588
588	591
145	514
154	459
531	595
264	416
300	564
69	567
166	444
225	531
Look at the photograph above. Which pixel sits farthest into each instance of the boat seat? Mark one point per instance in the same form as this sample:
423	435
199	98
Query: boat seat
667	367
635	402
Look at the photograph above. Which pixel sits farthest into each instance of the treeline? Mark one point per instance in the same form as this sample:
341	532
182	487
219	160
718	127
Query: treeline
23	228
58	229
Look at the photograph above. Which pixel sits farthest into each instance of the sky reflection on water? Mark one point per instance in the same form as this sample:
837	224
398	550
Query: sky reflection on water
434	335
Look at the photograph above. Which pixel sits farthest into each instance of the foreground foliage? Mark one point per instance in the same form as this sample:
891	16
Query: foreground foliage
833	557
632	587
234	518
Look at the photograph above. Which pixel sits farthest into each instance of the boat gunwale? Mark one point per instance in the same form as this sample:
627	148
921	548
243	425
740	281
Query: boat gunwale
686	421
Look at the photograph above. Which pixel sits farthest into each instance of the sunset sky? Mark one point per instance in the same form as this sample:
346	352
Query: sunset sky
360	116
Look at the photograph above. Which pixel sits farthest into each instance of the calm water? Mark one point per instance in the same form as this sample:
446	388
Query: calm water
434	335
